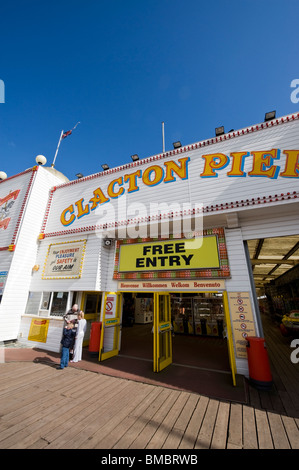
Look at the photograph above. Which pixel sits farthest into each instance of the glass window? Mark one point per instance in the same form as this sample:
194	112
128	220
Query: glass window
59	303
33	302
45	304
91	303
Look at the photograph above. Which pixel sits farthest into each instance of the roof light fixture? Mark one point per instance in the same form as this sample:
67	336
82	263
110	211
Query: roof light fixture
269	116
177	144
219	131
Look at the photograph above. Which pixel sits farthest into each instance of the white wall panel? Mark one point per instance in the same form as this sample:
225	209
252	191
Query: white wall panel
271	222
23	258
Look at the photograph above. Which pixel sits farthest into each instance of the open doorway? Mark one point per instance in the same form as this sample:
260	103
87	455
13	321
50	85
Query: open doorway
137	325
199	337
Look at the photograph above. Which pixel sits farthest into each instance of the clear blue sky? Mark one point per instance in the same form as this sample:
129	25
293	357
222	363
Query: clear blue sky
121	67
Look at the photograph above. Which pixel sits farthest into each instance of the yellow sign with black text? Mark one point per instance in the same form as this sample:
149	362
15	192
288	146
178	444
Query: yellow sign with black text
38	330
195	253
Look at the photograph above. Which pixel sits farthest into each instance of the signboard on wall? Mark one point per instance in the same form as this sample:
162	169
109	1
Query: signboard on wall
204	256
38	330
110	307
242	320
196	253
64	260
168	286
13	193
3	277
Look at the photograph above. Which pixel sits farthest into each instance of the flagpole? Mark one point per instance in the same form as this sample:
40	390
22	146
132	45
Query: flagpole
57	149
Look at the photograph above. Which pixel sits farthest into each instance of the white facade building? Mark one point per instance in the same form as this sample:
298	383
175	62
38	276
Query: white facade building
174	225
23	199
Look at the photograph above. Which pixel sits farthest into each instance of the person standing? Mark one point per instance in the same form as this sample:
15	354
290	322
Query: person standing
67	341
81	329
71	315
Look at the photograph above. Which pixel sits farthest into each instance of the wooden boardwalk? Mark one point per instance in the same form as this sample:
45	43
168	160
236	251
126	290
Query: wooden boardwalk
45	408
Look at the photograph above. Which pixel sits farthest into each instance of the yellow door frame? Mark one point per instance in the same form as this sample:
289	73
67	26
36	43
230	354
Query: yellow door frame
230	342
114	323
162	326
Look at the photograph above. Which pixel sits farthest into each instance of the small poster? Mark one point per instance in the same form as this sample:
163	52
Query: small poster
38	330
64	260
242	320
3	277
110	306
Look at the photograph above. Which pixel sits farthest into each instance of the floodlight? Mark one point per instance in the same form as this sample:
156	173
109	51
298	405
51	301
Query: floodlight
219	131
177	144
269	116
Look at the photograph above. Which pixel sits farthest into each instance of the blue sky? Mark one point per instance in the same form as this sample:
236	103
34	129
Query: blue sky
123	67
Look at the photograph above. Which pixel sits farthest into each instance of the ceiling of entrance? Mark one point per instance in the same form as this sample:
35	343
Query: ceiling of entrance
272	257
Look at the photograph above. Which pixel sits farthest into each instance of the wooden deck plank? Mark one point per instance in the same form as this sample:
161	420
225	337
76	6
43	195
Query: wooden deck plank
206	432
128	425
64	436
66	420
249	429
194	424
263	430
100	440
165	428
24	412
173	440
118	435
114	415
24	426
235	430
58	416
292	431
220	431
278	433
144	426
14	382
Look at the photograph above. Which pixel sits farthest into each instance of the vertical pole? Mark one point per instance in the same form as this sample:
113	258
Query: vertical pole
57	149
163	138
